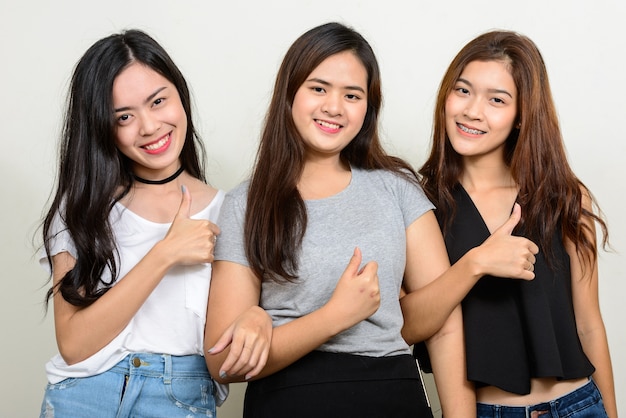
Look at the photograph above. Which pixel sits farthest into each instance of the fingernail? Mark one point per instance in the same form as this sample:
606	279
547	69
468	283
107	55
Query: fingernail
223	374
248	377
210	350
183	188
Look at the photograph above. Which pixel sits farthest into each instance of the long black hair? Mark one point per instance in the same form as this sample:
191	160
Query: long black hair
93	175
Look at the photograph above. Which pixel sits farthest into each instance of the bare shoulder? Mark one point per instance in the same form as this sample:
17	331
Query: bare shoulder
202	194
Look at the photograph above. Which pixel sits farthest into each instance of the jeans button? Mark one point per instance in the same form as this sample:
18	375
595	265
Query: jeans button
136	362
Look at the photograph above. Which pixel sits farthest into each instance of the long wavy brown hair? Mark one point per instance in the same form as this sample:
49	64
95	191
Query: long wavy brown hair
276	218
549	192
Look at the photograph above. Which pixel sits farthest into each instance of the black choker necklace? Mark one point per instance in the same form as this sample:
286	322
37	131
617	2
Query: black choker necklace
166	180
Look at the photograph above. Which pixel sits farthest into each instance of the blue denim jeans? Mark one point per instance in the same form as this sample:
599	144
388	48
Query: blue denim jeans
141	385
584	402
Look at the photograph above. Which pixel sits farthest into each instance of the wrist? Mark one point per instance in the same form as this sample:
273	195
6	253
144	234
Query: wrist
472	264
258	314
161	252
335	323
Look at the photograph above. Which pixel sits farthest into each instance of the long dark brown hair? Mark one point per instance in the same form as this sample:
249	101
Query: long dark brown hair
549	192
276	218
93	174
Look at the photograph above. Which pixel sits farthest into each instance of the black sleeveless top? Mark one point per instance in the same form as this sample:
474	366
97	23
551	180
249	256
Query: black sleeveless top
516	330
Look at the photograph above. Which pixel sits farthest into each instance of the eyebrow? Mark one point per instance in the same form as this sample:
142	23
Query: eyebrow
326	83
462	80
148	99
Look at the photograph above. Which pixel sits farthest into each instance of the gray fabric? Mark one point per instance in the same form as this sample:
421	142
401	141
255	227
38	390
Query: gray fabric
372	213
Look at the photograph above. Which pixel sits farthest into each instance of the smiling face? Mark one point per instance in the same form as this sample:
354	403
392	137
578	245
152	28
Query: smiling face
481	110
330	106
151	123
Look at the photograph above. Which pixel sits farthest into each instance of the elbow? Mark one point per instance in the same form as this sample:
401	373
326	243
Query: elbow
437	336
407	336
71	356
74	347
420	326
417	334
213	364
450	330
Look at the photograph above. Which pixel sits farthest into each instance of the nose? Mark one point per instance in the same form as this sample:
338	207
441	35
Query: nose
149	124
332	105
473	109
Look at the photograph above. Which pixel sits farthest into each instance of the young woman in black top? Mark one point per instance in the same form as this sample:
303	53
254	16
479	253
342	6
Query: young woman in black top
531	346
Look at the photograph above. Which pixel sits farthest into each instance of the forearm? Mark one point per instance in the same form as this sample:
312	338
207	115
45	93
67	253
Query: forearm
426	309
82	332
289	343
297	338
596	348
447	352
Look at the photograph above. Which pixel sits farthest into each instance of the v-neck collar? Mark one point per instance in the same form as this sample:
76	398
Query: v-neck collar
476	211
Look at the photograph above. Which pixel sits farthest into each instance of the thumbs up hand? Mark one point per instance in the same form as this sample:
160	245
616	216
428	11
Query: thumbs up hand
190	241
505	255
357	295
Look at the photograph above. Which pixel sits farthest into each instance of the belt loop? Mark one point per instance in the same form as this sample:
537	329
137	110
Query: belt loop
167	371
554	407
496	411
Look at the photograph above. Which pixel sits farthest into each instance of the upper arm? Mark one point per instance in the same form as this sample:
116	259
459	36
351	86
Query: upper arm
584	278
426	255
62	263
234	288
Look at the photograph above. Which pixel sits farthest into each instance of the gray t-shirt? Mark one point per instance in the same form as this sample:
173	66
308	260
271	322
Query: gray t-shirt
372	213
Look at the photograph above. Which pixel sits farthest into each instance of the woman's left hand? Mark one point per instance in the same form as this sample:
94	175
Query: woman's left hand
249	338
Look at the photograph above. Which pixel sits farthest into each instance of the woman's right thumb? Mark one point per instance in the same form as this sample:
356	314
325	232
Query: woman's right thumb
185	203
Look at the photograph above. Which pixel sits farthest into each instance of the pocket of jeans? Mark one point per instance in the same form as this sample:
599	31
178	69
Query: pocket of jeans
197	394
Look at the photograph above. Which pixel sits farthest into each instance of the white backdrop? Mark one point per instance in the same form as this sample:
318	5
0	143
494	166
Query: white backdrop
229	52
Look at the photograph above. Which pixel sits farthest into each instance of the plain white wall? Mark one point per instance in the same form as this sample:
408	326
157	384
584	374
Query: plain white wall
229	53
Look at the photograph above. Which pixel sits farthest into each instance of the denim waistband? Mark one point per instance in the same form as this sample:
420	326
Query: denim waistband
556	407
162	365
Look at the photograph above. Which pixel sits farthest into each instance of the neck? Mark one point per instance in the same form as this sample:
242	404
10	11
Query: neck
323	166
163	181
486	173
323	180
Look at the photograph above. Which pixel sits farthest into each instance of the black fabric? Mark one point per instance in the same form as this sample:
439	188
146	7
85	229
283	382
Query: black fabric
340	385
516	330
420	352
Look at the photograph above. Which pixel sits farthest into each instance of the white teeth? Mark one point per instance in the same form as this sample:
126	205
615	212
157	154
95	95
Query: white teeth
328	124
470	131
158	145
